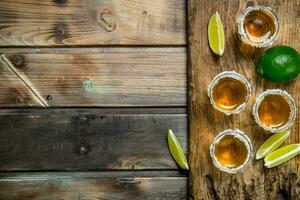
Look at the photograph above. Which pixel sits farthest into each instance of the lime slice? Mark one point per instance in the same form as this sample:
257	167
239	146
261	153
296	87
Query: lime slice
216	36
177	151
282	155
272	143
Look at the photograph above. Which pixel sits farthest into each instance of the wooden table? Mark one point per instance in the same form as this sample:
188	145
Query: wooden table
88	90
256	182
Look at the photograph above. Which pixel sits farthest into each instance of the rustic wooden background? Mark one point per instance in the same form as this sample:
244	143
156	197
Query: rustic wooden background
88	90
256	182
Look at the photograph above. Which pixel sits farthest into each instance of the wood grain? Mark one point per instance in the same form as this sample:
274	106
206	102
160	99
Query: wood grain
84	140
256	182
93	22
100	77
13	91
91	186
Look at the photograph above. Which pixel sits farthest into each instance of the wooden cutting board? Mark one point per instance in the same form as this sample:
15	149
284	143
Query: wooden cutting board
255	182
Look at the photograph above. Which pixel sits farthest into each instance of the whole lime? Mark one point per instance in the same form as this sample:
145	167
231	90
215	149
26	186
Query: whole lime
279	64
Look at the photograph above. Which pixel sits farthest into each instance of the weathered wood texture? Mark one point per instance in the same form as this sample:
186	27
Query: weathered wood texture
72	141
85	186
100	77
256	182
13	91
93	22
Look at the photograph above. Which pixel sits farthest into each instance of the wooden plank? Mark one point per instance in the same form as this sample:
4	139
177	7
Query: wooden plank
90	186
93	22
103	77
13	91
96	174
256	182
82	141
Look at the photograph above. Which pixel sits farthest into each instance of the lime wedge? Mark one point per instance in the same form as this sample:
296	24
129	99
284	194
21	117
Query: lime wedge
177	151
282	155
272	143
216	36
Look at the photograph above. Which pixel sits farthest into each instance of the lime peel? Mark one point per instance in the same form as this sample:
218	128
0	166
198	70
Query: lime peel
176	151
216	36
282	155
272	143
279	64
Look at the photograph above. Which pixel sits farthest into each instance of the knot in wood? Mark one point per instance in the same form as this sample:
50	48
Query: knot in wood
49	97
20	100
17	60
83	149
106	18
60	31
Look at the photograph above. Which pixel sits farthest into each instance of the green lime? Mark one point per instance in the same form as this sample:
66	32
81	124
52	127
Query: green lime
279	64
272	143
176	150
282	155
216	36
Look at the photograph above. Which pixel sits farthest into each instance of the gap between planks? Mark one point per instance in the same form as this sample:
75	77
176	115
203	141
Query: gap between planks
94	110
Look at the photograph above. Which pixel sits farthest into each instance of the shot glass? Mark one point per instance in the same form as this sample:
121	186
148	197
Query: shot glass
258	26
229	92
274	110
231	151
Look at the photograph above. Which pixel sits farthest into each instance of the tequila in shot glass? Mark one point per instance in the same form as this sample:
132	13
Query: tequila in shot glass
258	26
231	151
274	110
229	92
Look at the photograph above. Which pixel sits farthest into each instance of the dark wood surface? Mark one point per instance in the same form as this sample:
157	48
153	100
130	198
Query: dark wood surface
88	141
110	186
118	77
92	22
255	182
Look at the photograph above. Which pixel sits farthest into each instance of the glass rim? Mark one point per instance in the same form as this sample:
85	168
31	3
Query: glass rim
241	136
236	76
242	33
290	101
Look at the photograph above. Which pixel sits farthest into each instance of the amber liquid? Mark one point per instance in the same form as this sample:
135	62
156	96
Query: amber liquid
274	111
231	152
228	94
259	26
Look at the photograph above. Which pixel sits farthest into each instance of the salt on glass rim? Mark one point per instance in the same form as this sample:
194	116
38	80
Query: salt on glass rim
236	76
290	101
238	134
242	33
